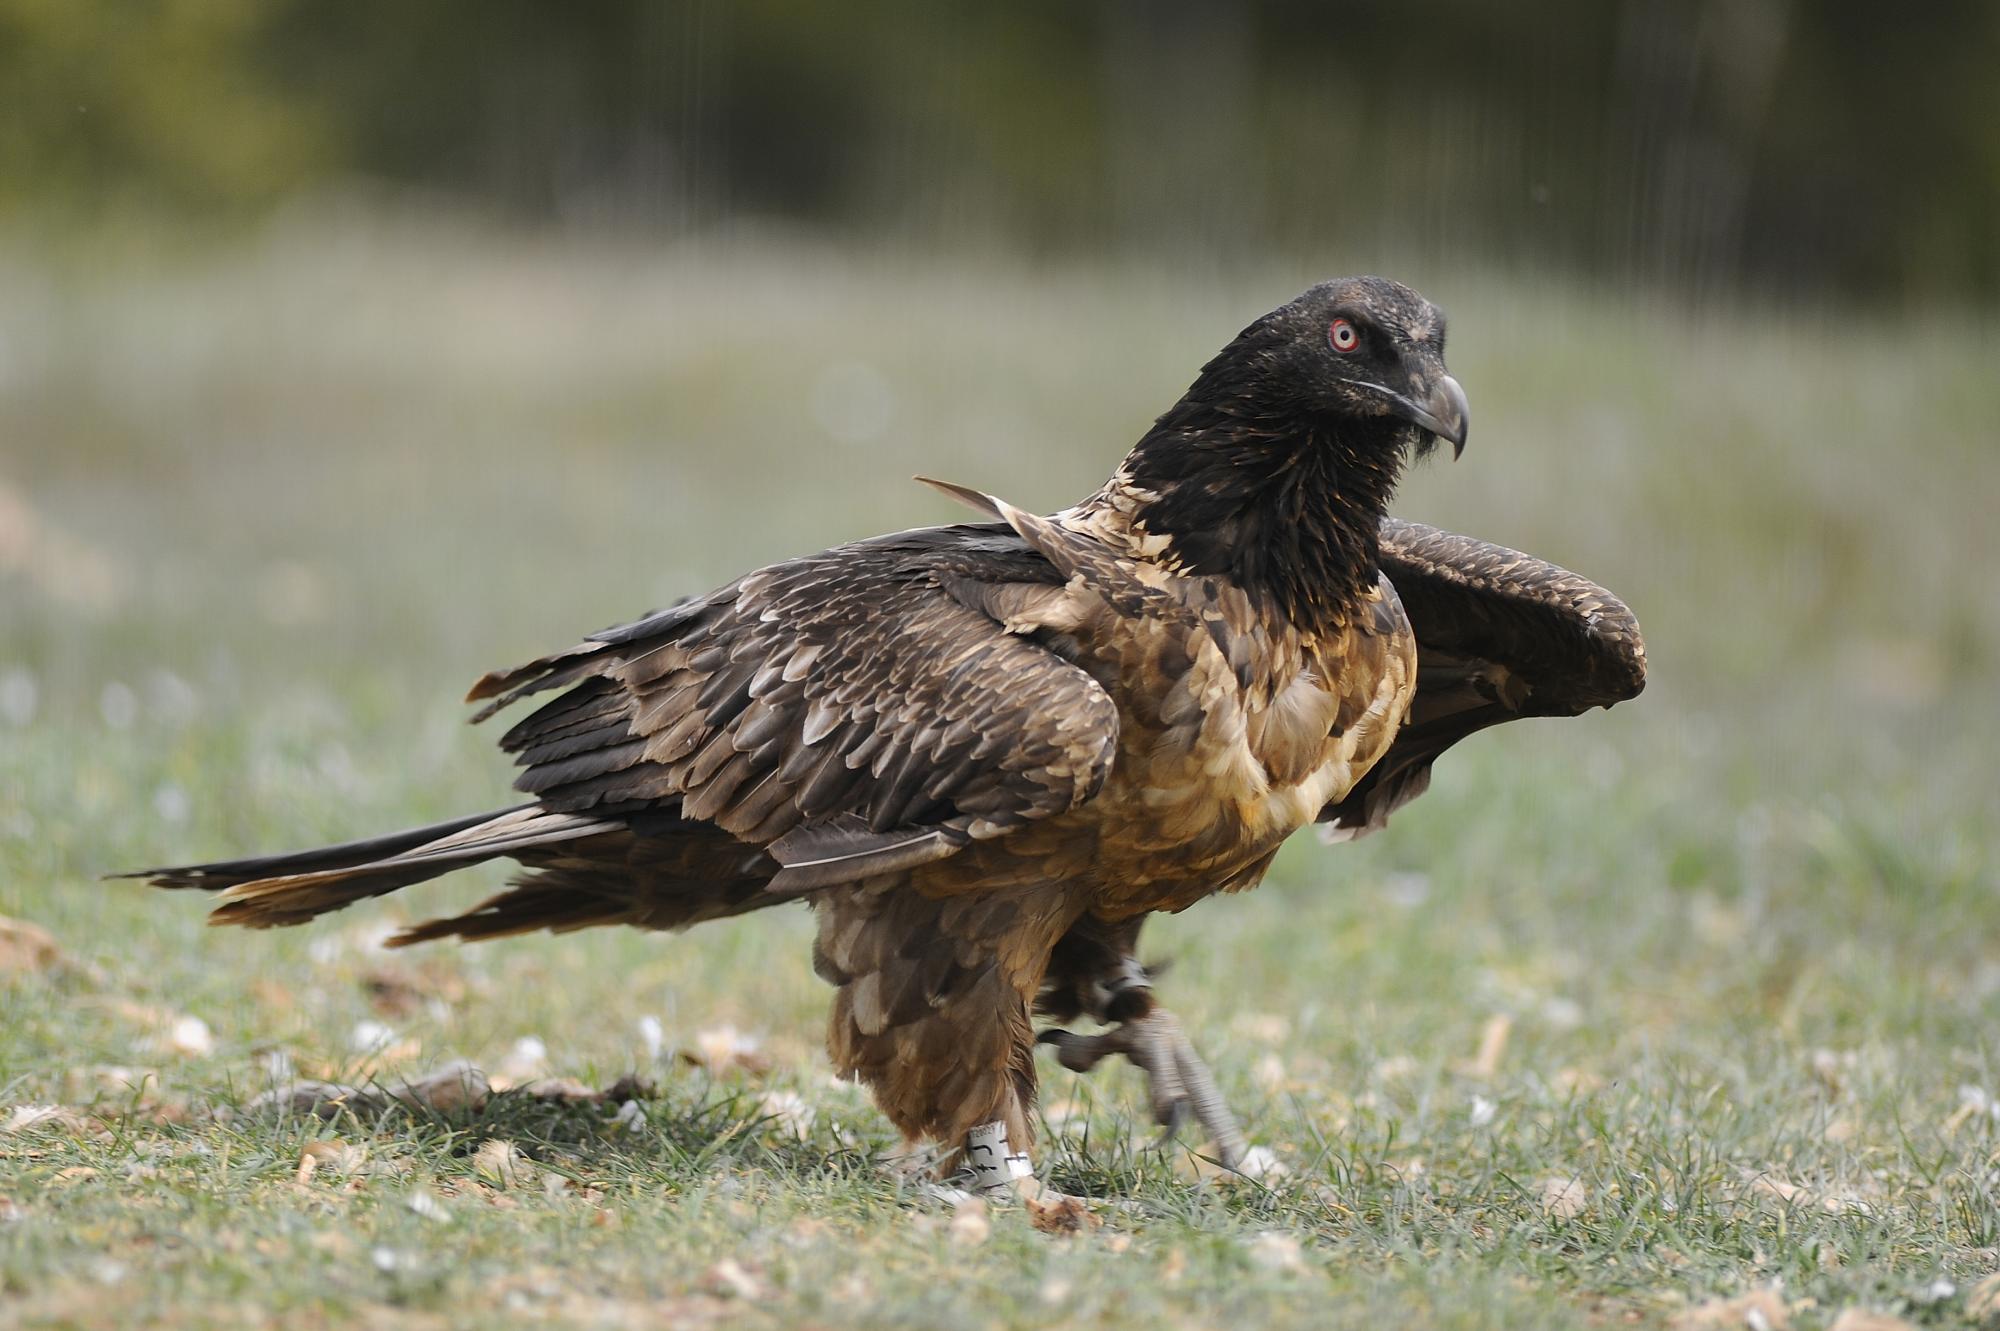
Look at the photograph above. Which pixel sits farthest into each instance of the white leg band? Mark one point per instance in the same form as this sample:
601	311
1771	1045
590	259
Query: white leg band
993	1165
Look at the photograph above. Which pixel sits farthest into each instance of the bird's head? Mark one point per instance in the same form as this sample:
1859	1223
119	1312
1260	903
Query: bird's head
1277	464
1358	350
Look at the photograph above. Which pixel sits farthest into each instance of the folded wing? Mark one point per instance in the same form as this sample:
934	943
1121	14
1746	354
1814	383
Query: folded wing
852	712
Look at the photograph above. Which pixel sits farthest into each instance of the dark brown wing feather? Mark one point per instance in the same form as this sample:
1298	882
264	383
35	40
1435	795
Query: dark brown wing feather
852	712
1500	635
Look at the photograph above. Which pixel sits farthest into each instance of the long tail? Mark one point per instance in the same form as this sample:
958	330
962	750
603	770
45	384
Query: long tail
291	889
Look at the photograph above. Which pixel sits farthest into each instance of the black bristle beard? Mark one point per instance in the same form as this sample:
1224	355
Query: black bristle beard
1288	507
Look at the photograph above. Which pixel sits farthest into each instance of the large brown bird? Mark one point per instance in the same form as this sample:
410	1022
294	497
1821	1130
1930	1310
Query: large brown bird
984	754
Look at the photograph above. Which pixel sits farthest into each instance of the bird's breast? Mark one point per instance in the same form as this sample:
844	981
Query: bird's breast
1223	754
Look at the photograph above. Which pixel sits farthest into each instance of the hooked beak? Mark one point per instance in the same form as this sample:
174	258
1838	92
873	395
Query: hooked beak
1442	413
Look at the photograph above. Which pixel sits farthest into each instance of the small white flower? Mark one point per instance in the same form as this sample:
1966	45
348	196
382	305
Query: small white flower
1483	1111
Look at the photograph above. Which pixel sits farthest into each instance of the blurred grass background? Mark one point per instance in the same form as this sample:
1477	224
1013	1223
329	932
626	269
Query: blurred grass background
348	352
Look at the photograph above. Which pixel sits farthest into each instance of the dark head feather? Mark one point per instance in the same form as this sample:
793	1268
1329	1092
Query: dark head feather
1275	467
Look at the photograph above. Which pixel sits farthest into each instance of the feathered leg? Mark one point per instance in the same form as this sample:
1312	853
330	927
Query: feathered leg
932	1012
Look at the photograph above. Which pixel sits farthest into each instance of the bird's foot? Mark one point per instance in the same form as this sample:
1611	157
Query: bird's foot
1178	1082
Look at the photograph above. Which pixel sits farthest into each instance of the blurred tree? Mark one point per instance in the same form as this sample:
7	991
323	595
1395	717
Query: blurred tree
114	105
1691	144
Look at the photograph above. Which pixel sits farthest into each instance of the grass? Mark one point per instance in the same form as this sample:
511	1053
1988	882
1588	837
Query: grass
1731	950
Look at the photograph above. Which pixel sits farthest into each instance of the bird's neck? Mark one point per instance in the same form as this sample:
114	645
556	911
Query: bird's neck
1286	508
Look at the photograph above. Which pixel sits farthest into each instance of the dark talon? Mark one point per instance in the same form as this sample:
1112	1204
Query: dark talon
1178	1082
1081	1053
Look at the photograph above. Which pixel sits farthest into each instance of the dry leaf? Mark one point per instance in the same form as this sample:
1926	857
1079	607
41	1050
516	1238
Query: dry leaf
501	1162
1759	1310
330	1154
41	1118
1056	1213
27	949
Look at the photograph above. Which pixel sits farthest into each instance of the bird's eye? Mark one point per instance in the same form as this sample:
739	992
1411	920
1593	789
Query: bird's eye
1343	336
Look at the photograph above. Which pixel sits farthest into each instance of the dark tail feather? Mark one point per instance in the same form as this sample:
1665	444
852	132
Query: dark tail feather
347	855
291	889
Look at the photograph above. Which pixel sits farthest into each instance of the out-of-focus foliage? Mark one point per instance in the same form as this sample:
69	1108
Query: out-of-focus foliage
1686	143
173	103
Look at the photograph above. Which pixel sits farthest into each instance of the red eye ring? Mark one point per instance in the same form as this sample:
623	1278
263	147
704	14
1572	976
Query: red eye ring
1343	336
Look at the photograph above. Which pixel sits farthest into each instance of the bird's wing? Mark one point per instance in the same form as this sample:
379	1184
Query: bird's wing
1500	635
862	710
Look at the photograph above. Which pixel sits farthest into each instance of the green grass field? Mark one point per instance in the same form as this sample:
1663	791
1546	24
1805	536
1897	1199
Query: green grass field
1686	1002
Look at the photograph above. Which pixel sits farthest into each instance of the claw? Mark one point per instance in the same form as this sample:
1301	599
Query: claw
1081	1053
1179	1083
